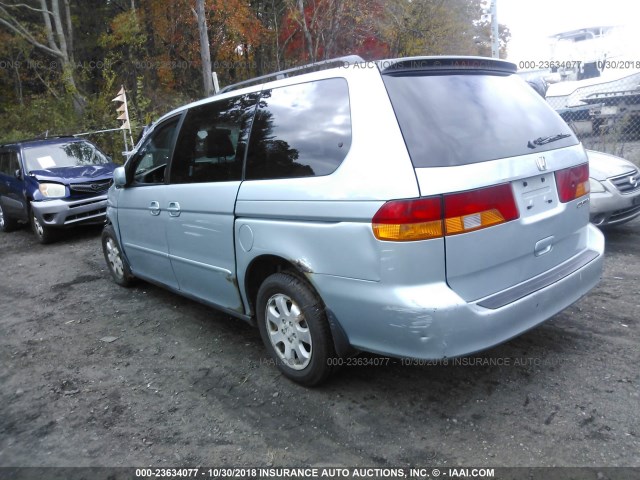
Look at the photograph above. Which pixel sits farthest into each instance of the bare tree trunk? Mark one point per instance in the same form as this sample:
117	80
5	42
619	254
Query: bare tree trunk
68	67
67	16
18	81
308	41
205	54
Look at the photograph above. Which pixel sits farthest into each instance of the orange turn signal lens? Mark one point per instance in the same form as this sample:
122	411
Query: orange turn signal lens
407	232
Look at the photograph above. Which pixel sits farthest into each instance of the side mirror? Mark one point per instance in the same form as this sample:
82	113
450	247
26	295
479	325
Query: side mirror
18	174
119	177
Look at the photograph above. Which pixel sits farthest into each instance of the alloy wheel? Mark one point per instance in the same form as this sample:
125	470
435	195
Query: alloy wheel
114	258
288	331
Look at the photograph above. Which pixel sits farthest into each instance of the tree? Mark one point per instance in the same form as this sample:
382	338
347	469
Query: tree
322	29
58	30
434	27
205	56
482	38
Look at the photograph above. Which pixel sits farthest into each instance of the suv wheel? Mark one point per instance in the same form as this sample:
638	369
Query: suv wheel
118	266
6	224
294	328
43	234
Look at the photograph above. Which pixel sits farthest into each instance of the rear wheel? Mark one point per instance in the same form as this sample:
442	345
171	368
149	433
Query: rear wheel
7	224
118	266
294	328
43	233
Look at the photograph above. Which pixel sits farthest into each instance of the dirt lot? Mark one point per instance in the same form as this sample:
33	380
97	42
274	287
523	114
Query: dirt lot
183	385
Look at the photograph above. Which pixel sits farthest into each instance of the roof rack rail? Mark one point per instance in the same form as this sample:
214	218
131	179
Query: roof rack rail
36	139
291	72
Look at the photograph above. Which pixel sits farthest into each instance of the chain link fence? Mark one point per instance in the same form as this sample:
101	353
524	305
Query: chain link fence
604	111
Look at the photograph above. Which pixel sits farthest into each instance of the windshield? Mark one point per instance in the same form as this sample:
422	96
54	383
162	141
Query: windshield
71	154
450	120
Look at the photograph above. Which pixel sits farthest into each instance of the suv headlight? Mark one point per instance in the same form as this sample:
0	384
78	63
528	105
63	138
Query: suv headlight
52	190
596	186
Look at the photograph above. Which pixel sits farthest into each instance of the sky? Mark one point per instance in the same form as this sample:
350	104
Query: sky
532	21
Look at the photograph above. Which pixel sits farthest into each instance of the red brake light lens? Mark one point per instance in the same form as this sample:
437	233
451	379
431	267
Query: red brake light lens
409	220
573	182
476	209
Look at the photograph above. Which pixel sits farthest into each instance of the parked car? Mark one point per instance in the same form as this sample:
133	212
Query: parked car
615	189
53	183
420	208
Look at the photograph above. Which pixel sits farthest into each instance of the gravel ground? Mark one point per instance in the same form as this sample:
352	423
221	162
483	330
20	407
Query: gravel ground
93	374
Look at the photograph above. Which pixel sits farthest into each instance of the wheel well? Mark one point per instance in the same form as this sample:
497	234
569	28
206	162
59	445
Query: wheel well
260	268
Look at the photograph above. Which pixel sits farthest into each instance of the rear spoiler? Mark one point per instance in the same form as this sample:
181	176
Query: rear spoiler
446	65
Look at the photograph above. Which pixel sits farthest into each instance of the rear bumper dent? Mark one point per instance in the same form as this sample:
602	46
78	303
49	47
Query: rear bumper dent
432	322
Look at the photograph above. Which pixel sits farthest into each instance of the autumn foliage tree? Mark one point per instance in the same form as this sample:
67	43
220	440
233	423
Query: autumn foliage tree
321	29
66	59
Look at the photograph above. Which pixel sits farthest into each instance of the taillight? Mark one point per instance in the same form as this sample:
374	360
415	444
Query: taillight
573	182
422	219
476	209
409	220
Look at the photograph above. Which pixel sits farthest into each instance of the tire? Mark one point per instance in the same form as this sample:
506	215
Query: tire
43	233
294	328
7	224
116	262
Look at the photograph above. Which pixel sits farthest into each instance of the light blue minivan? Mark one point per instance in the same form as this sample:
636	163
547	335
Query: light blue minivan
418	208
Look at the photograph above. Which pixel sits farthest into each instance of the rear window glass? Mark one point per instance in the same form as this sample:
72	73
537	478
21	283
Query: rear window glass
450	120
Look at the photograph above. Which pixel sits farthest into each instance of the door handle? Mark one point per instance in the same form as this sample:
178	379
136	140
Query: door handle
174	209
154	208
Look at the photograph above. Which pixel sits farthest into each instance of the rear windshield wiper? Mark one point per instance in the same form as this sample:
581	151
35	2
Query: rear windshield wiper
543	141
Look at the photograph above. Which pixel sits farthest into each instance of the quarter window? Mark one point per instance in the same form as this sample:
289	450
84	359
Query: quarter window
9	163
212	141
14	164
300	130
4	162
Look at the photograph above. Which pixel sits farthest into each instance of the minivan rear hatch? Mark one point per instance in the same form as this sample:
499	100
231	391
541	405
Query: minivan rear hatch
511	175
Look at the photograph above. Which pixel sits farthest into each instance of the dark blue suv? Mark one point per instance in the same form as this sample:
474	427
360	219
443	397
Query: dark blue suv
53	183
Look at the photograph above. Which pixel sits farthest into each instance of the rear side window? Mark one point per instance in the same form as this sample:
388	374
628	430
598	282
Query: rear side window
9	163
301	130
213	140
450	120
4	162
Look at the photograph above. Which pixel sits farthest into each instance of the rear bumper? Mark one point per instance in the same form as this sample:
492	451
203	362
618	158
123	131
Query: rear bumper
432	322
64	213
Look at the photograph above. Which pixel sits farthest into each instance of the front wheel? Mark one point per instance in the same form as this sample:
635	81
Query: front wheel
116	262
294	328
7	224
43	233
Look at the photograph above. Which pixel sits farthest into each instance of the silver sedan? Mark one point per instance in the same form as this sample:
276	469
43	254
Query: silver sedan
615	189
